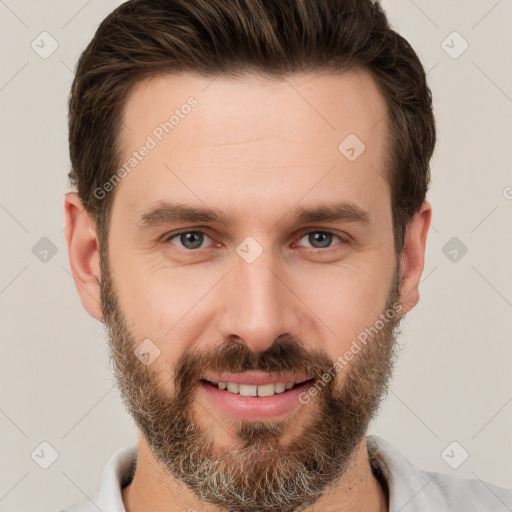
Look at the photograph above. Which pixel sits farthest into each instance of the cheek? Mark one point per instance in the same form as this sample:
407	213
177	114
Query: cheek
351	307
163	304
344	301
178	306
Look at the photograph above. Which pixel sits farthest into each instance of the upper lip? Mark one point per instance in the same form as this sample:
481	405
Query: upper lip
255	378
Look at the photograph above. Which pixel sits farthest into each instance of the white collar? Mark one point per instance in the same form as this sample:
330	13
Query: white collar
410	489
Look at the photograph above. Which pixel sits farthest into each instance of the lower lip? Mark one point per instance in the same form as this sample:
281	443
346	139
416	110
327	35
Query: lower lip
255	407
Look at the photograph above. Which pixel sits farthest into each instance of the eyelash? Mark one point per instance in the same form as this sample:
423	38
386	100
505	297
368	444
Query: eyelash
167	239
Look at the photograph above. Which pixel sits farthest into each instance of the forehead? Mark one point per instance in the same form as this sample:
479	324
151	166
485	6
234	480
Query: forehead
281	140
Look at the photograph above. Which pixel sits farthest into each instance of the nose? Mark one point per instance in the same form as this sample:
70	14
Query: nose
258	306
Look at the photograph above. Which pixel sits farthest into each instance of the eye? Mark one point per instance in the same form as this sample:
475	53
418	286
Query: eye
320	239
194	240
190	240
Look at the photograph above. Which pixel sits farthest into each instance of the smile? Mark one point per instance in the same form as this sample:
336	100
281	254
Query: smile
254	395
261	390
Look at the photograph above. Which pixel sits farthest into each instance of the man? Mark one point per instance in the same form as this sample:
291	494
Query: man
250	223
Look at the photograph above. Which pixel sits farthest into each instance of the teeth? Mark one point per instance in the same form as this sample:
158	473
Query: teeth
232	386
280	387
253	390
248	390
266	390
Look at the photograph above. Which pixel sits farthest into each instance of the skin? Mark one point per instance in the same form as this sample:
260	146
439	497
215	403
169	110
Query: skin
237	151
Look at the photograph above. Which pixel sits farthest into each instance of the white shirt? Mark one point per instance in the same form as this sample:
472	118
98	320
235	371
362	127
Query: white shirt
410	490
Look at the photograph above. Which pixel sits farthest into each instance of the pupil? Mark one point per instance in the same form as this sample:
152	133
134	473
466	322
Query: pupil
191	240
324	239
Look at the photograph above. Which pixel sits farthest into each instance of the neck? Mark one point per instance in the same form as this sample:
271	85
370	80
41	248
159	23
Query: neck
153	489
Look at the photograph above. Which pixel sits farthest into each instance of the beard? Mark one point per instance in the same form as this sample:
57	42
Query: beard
262	474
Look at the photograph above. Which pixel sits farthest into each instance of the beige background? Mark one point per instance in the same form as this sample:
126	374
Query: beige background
453	381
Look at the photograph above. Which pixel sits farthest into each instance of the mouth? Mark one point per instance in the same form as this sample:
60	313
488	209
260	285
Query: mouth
255	390
255	395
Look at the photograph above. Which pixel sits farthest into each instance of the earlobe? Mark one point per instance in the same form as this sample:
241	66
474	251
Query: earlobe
412	260
83	251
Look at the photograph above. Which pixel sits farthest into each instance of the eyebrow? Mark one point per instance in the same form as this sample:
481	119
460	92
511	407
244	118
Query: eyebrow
170	213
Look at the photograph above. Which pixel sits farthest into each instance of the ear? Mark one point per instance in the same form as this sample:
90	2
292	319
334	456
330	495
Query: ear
413	256
83	250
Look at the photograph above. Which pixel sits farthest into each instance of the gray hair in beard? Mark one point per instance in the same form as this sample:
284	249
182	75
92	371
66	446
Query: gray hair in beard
261	476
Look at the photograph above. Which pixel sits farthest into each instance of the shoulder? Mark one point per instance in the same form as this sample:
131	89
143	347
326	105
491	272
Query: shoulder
86	505
413	490
117	473
474	494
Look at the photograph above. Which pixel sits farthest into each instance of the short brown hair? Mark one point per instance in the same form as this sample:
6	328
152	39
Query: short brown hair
274	38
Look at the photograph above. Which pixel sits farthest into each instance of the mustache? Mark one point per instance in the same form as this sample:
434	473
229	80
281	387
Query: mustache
284	356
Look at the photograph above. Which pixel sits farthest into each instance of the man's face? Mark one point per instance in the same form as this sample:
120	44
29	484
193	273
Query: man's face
260	294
